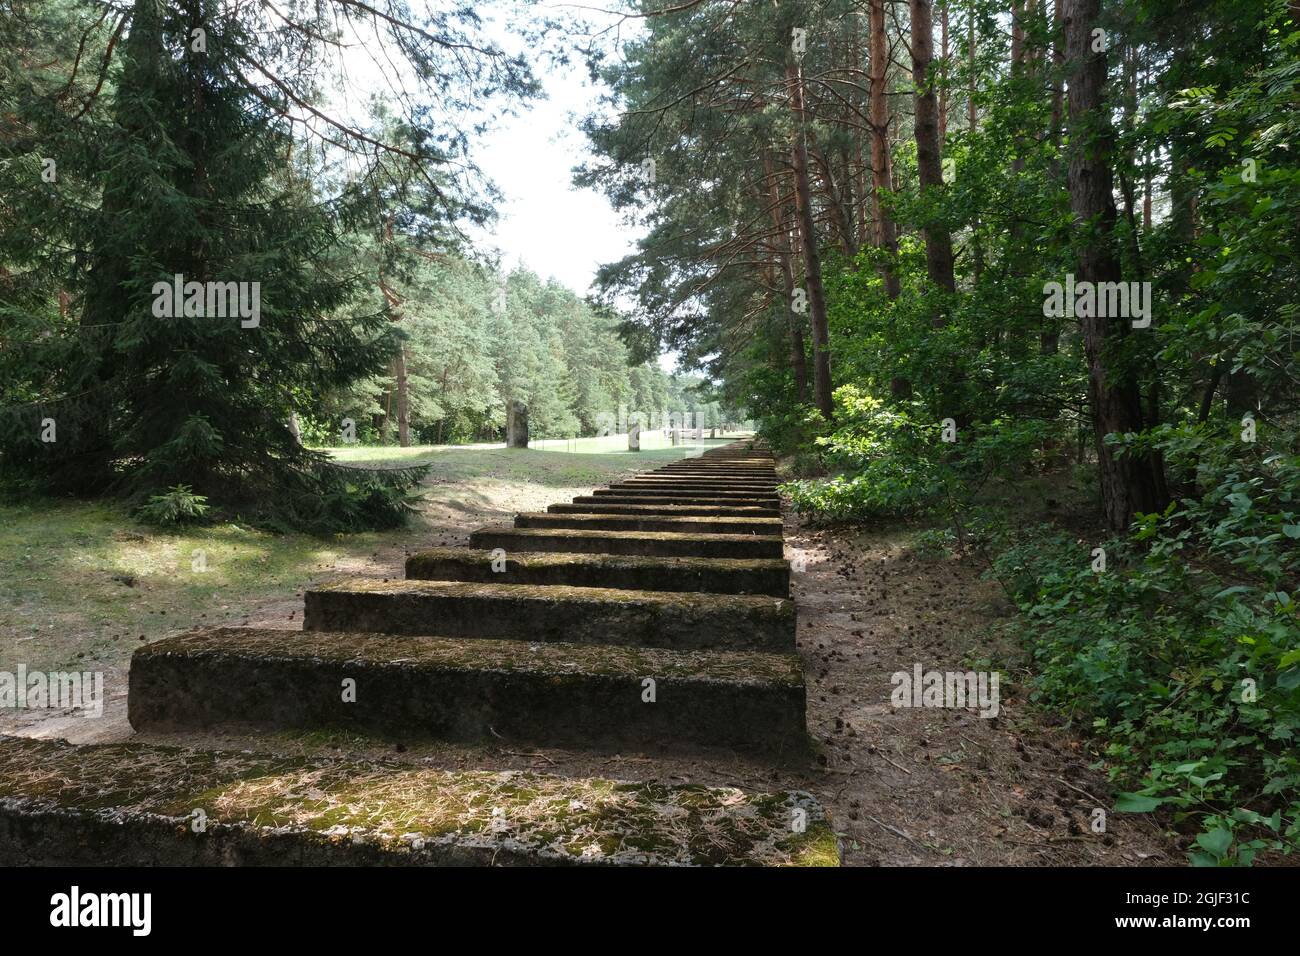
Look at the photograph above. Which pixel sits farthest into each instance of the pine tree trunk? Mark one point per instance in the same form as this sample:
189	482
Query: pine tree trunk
812	258
938	240
972	119
838	205
886	231
943	90
1058	86
403	399
781	240
1131	483
397	367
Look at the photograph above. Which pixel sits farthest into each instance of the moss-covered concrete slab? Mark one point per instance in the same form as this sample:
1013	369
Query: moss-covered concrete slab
604	496
629	489
662	544
727	481
715	470
401	687
717	575
135	805
680	511
718	462
710	474
691	485
644	522
684	620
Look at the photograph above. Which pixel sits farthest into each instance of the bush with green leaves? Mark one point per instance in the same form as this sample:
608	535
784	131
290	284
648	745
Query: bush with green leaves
1183	655
179	505
893	461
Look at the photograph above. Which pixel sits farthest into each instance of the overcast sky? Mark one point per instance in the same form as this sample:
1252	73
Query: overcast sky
548	225
545	222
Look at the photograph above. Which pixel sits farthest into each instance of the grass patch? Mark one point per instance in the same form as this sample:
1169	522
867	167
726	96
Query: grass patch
83	583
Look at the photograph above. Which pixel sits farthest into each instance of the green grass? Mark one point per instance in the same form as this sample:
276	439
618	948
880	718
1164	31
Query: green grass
558	464
81	582
84	579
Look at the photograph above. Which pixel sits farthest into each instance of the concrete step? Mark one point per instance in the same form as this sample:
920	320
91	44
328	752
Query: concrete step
134	805
717	472
676	490
723	463
555	613
716	575
713	489
717	511
739	464
727	480
661	544
768	505
685	524
690	484
564	695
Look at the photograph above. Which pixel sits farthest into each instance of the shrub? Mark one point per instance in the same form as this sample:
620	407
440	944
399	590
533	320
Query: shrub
1183	656
178	506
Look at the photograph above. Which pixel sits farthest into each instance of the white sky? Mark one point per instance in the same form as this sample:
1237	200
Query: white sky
551	227
544	222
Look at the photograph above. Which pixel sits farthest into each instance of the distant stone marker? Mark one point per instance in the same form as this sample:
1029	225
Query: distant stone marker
676	438
517	425
634	437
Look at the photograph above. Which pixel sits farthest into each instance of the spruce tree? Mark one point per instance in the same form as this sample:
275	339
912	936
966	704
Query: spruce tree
188	158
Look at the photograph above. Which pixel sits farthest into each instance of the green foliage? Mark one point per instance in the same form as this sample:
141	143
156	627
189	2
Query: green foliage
174	160
1150	655
177	507
893	462
474	339
337	499
1183	656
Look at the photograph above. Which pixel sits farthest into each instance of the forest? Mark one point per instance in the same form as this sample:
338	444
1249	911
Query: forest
952	254
1017	279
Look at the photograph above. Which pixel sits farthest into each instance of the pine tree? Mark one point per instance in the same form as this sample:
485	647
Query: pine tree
197	169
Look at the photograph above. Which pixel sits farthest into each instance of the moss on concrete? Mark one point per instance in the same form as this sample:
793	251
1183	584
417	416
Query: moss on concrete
485	654
688	524
564	613
60	803
652	543
638	572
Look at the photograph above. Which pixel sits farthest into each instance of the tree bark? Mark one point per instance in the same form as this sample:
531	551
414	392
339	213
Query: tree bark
943	89
812	258
972	118
397	366
886	231
1050	339
1132	483
838	204
784	257
938	240
403	398
1058	86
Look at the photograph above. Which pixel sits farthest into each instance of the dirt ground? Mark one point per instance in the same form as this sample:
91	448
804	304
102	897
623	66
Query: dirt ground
904	787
